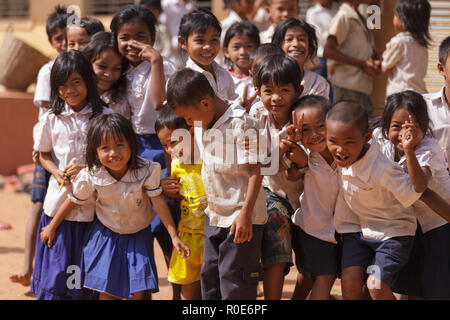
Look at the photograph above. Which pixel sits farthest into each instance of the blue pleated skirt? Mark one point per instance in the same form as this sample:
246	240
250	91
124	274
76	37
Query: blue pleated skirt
57	273
119	264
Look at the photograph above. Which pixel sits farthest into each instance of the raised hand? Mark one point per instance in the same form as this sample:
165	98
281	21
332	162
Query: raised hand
247	102
409	134
146	51
295	130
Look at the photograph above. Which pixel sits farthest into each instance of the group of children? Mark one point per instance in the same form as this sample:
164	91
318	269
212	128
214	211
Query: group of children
128	139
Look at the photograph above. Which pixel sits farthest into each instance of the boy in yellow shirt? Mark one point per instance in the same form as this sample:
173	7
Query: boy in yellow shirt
185	184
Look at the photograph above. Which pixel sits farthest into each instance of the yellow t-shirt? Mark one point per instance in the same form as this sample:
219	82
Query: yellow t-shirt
195	202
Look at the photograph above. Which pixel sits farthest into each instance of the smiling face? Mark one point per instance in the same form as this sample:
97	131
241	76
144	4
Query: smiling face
295	44
77	37
346	142
238	51
278	99
169	145
129	32
114	154
313	131
202	47
74	92
395	128
279	10
107	67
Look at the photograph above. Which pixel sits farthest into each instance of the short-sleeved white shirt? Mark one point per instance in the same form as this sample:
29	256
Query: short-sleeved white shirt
43	89
240	82
225	177
122	206
121	106
222	85
439	113
143	113
381	194
65	135
429	154
320	17
408	61
267	35
315	214
314	83
355	40
277	183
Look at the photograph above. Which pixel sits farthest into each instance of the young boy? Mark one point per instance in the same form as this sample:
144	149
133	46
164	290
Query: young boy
278	10
236	211
56	33
379	224
438	103
351	58
184	184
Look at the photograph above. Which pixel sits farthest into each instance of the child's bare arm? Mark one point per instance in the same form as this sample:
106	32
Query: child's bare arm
47	162
242	226
48	232
436	203
166	217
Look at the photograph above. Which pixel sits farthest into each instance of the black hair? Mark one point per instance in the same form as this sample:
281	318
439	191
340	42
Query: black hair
187	86
278	69
264	50
411	101
349	112
415	15
198	21
99	43
65	64
269	2
168	119
241	28
90	24
289	23
151	3
311	100
132	14
118	126
56	20
444	49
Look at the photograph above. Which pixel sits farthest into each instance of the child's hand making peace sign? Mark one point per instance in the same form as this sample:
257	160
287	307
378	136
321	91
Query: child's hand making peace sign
410	135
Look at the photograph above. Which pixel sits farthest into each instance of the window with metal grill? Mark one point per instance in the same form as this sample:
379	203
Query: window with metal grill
14	8
105	7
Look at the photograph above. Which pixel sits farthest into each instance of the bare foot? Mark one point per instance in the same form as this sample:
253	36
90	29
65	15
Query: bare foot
23	279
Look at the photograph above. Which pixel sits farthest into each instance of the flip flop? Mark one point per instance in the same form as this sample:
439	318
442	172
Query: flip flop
4	226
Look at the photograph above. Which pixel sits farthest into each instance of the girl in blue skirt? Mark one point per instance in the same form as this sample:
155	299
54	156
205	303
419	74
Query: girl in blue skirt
117	250
61	142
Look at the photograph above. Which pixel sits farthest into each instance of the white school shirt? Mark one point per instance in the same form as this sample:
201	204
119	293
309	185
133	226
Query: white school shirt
143	114
408	61
122	206
121	106
240	82
314	83
266	36
320	17
222	85
380	194
429	154
65	137
279	182
225	177
439	113
173	11
315	214
42	94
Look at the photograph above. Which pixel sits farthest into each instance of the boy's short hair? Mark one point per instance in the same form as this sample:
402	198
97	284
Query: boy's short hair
264	50
56	20
444	49
349	112
168	119
187	86
278	69
312	100
198	21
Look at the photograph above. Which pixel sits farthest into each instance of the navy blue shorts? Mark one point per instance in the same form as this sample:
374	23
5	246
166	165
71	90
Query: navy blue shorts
317	257
427	273
40	184
383	259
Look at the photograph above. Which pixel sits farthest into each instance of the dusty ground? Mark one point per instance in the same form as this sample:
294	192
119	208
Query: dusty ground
14	209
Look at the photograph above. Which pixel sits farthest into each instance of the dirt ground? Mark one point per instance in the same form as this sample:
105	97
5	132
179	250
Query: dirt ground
14	208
